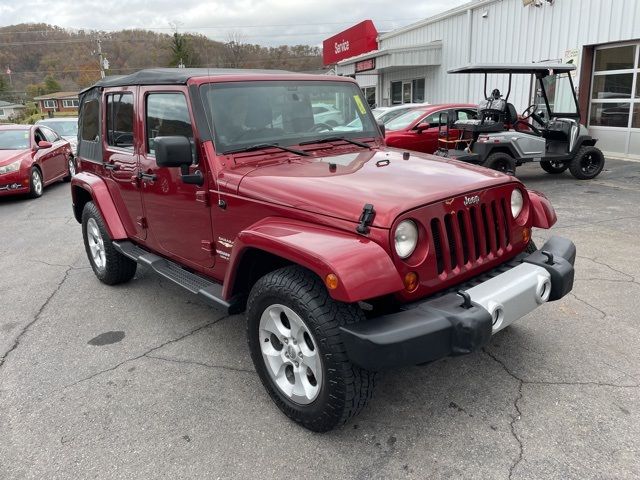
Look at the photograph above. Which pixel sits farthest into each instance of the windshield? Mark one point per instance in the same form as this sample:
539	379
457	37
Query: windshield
63	128
284	112
559	94
14	139
404	120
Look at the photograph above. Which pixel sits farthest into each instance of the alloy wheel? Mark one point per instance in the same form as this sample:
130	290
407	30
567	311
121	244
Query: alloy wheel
96	244
290	354
36	181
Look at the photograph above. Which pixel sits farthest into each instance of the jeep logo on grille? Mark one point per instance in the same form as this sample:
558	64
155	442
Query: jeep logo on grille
471	200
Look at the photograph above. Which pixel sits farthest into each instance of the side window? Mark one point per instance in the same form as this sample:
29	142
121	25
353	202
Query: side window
120	120
466	115
167	115
50	135
39	136
90	119
435	118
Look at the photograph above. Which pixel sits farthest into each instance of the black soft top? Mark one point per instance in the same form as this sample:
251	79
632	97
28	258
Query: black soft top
174	76
517	68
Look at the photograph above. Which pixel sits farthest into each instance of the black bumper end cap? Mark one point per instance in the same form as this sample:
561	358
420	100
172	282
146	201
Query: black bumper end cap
432	330
559	264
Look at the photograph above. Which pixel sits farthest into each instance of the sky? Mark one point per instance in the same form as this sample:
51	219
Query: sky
269	22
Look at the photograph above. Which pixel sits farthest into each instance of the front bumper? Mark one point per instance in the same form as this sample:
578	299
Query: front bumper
14	183
454	325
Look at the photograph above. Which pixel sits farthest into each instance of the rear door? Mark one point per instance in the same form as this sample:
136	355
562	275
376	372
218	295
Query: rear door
178	214
120	158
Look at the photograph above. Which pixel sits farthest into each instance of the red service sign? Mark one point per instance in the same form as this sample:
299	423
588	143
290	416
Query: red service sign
356	40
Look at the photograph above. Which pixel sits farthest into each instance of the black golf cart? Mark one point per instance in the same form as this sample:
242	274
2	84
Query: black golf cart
500	139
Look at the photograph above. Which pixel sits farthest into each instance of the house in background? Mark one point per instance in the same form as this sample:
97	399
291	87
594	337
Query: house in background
58	102
9	111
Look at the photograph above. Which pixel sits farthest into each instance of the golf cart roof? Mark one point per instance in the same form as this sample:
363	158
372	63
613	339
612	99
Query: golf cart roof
517	68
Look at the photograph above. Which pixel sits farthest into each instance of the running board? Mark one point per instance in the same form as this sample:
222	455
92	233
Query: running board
209	291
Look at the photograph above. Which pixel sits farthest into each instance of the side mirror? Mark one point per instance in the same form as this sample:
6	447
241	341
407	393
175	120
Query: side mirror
42	144
383	129
422	126
175	151
172	151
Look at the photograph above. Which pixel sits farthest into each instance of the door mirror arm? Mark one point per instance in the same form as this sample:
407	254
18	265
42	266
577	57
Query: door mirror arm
195	178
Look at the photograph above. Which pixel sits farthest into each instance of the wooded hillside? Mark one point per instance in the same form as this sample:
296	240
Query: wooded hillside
35	51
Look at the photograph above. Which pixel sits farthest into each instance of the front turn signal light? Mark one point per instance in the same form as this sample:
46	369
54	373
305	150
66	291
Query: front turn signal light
526	235
411	282
331	281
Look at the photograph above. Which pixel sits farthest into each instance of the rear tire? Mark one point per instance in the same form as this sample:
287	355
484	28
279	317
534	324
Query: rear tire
553	167
587	164
71	169
502	162
109	265
293	331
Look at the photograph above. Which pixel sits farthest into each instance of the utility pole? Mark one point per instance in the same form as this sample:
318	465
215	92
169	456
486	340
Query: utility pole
100	57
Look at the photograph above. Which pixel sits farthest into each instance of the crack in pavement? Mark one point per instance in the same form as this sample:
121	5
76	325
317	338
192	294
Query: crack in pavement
587	224
604	264
521	383
602	312
36	317
202	364
34	260
144	354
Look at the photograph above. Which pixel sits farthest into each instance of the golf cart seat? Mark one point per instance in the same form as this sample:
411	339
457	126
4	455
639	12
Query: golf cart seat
492	117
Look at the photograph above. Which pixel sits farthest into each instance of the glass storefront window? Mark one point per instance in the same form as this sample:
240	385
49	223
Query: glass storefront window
396	92
610	114
612	86
618	58
418	90
635	123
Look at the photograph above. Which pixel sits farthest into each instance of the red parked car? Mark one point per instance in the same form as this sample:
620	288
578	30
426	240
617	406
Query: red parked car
419	130
347	256
32	157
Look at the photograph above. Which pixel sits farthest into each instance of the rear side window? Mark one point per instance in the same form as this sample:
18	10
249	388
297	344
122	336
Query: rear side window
120	120
90	118
167	115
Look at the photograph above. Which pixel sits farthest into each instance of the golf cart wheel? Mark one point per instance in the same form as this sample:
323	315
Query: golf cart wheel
502	162
293	331
553	167
587	164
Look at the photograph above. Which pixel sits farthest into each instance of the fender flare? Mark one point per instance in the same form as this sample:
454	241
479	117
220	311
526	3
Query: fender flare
99	193
364	269
542	213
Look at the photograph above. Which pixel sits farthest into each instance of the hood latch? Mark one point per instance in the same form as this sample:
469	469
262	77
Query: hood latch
366	219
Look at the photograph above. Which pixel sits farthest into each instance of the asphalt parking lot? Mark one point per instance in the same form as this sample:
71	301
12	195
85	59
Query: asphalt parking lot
144	381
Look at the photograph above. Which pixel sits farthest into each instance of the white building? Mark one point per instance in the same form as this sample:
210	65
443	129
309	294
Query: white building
9	111
601	36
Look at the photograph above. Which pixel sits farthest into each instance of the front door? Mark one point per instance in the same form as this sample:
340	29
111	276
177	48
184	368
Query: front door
58	160
121	159
406	92
178	214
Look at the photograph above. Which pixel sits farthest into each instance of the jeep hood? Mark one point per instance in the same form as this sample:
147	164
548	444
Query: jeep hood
383	178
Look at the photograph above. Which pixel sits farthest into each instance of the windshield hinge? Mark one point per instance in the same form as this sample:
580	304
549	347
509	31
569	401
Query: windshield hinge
366	219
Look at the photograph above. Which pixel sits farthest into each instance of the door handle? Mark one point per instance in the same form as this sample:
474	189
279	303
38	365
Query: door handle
147	176
111	166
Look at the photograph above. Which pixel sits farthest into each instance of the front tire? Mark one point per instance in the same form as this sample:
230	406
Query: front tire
553	167
36	184
502	162
293	331
587	164
109	265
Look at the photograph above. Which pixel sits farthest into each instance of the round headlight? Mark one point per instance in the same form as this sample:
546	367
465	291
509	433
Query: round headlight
517	202
406	238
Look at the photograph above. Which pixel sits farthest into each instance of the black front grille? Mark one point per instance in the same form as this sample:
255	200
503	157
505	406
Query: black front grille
470	234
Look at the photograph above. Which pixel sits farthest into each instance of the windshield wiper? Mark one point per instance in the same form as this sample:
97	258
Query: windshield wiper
261	146
335	139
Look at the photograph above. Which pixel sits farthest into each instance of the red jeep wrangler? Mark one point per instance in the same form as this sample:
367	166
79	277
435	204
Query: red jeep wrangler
347	256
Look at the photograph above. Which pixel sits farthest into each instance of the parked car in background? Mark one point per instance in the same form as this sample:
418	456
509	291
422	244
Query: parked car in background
386	114
418	129
32	157
66	127
327	113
